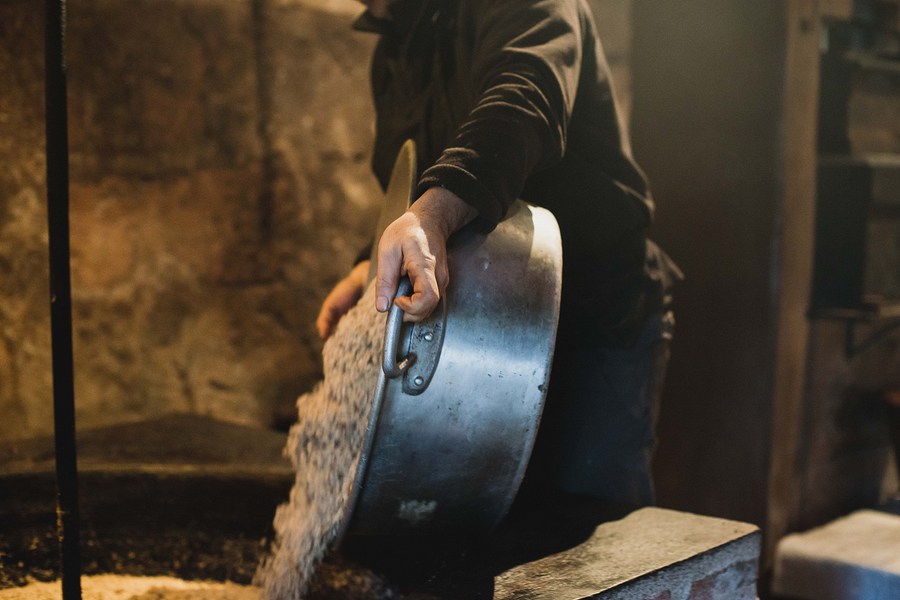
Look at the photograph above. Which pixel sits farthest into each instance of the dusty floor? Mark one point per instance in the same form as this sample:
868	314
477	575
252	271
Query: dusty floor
180	496
407	569
31	553
124	587
337	580
202	511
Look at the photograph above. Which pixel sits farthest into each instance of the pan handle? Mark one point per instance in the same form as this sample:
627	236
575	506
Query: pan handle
392	367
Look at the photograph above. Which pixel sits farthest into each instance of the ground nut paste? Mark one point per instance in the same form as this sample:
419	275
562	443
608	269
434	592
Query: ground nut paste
325	446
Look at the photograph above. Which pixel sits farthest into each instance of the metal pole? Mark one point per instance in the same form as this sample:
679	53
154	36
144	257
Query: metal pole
60	297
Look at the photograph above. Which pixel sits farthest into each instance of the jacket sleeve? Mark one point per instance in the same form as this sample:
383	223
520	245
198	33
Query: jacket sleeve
527	56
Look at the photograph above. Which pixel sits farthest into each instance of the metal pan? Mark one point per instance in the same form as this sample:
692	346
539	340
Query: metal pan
459	399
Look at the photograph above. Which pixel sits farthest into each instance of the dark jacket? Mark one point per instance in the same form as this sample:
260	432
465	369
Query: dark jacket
511	99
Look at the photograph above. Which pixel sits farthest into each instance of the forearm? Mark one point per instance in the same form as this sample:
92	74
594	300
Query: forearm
442	211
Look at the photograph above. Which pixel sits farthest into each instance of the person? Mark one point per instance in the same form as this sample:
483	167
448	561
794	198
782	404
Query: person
511	99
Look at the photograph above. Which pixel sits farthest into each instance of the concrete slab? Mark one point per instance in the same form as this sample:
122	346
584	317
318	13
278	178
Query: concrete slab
857	556
652	554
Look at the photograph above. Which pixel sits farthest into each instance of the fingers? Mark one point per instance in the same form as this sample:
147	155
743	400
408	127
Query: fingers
326	322
333	309
388	273
408	249
426	293
341	299
331	312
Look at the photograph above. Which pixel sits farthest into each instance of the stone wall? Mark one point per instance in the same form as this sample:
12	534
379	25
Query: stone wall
25	388
219	187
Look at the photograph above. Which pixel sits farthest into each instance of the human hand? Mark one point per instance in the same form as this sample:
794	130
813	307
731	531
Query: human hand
342	298
416	245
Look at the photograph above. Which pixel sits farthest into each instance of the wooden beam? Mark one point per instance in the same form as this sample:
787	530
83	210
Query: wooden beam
795	232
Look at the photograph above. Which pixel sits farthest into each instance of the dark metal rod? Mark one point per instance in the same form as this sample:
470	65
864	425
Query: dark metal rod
60	297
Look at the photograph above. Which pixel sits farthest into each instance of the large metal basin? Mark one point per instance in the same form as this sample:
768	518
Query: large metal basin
452	430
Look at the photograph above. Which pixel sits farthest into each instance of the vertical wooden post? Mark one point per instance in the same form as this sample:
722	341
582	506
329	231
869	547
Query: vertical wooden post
794	259
60	296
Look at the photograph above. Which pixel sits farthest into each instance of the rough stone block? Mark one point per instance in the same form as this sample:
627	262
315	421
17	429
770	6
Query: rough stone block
857	556
652	554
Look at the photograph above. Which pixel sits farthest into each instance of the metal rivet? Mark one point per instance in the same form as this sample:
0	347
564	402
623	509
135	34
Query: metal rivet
428	336
419	380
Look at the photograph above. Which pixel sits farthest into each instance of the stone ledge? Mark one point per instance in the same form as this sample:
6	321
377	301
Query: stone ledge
652	554
857	556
